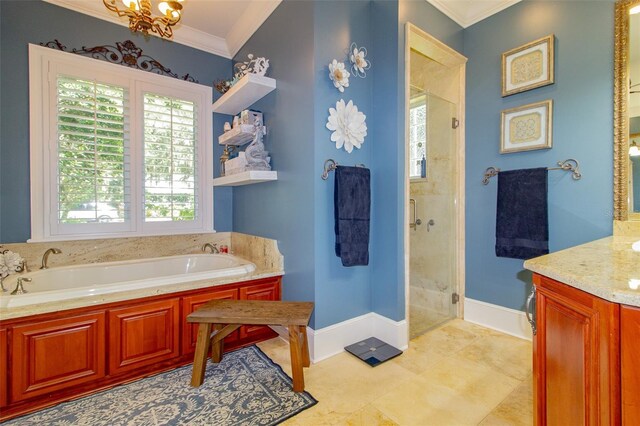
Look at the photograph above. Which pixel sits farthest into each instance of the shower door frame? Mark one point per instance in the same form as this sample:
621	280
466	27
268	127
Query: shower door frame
433	48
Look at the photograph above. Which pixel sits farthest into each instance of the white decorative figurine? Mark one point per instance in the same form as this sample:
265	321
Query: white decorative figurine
348	125
257	158
339	75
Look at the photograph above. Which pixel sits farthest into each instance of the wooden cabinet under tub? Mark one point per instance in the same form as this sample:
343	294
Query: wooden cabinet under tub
48	356
143	334
57	356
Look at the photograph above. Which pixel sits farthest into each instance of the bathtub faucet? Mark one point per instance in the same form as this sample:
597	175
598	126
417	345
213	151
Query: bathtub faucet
45	256
19	289
212	247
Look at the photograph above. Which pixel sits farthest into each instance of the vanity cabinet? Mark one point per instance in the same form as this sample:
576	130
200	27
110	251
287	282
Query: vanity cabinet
143	334
576	356
49	356
630	350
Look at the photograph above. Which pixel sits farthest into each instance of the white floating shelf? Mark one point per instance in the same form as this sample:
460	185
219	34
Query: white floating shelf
250	89
239	136
246	178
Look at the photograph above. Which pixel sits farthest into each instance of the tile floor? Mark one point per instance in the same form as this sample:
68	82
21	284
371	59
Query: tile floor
456	374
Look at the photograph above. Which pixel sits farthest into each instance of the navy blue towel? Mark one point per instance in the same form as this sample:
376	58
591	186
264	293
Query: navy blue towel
522	222
352	208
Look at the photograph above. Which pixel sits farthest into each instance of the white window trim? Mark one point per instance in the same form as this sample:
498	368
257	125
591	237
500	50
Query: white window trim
40	59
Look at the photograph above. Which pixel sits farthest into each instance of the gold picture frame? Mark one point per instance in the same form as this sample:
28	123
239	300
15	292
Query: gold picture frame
527	127
529	66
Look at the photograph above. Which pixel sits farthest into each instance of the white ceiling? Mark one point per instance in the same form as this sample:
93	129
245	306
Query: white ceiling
222	27
467	12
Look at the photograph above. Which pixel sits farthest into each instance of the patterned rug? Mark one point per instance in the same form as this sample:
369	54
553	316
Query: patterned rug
246	388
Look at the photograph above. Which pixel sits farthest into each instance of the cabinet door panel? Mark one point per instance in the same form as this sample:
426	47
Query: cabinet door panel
265	291
190	304
143	335
4	364
576	364
53	355
630	345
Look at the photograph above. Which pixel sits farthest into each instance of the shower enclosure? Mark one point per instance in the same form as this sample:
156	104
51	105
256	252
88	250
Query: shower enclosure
435	229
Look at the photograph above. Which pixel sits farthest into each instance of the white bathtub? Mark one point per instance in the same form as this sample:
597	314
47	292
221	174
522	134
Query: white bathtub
69	282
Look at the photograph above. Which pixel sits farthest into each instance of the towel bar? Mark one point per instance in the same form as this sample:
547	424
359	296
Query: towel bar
330	165
569	165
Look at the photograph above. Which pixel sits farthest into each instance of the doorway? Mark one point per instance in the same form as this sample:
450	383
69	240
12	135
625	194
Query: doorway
434	185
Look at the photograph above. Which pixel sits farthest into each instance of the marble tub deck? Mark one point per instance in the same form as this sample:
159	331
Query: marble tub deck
262	252
608	268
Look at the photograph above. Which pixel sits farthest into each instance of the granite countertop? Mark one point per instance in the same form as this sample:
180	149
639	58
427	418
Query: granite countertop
608	268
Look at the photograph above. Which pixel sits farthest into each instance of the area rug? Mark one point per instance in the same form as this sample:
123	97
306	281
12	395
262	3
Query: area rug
246	388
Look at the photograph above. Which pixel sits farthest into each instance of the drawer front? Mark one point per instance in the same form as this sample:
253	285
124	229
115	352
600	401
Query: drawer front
58	354
143	335
190	330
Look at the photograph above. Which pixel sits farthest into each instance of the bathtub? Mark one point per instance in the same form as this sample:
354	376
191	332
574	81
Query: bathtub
69	282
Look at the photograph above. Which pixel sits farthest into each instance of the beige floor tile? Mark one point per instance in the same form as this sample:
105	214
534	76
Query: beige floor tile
448	393
516	409
345	384
369	416
507	354
456	374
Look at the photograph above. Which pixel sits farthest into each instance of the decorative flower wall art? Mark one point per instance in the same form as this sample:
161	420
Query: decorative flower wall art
360	64
339	75
348	126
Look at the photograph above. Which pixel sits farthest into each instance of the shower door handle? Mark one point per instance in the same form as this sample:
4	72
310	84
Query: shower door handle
414	224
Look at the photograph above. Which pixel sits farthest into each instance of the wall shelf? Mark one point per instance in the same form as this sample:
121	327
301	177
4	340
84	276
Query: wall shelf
241	135
250	89
246	178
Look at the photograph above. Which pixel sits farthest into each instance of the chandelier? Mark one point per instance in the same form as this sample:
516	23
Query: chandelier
141	19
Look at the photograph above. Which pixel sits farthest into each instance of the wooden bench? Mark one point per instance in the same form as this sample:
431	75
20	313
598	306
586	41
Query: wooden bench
225	316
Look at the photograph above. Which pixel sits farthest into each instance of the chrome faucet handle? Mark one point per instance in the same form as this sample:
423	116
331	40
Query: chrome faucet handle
213	247
45	256
19	288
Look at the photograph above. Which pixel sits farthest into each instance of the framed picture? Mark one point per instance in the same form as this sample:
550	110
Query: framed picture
527	67
527	127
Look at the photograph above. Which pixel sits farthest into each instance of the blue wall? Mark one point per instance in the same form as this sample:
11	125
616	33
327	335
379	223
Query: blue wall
579	211
341	293
23	22
285	209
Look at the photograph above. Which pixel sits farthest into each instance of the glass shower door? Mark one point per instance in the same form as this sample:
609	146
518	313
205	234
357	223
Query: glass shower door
432	237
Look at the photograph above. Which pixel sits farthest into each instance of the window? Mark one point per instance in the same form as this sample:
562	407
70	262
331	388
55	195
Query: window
116	151
417	135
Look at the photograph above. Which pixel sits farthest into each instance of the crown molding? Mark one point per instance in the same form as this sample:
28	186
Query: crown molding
461	15
248	23
183	34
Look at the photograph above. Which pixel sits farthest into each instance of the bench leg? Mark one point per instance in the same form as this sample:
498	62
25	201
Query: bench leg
200	357
217	345
306	361
295	347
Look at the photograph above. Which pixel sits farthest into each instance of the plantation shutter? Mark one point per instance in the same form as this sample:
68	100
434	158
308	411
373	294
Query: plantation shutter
93	161
170	159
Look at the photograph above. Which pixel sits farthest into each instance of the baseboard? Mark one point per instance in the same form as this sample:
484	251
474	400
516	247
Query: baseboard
329	341
498	318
